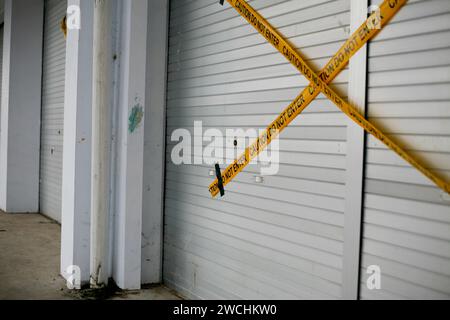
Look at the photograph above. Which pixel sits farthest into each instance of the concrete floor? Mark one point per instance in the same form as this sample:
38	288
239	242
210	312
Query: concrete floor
29	263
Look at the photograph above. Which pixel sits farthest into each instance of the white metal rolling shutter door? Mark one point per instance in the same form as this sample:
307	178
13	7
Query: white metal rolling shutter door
1	59
406	220
282	238
54	59
1	70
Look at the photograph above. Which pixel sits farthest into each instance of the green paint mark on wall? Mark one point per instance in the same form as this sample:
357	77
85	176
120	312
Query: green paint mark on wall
135	118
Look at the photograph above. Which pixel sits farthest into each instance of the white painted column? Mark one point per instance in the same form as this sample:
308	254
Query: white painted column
21	106
130	146
155	142
357	88
101	142
76	179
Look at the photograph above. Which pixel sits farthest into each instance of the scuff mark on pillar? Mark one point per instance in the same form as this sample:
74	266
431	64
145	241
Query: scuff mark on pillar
135	118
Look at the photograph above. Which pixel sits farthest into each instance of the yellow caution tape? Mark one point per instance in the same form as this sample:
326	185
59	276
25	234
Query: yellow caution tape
331	70
318	84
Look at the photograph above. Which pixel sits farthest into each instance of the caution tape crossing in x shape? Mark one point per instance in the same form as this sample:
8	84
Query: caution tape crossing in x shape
318	83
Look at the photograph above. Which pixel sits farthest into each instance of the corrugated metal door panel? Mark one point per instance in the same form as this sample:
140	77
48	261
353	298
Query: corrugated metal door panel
282	238
52	127
406	230
1	71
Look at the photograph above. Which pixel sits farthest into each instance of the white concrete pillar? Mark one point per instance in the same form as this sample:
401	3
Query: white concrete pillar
155	142
101	142
130	145
76	193
21	106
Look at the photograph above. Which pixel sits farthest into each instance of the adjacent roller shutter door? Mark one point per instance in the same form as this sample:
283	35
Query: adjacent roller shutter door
406	218
282	238
52	109
1	71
